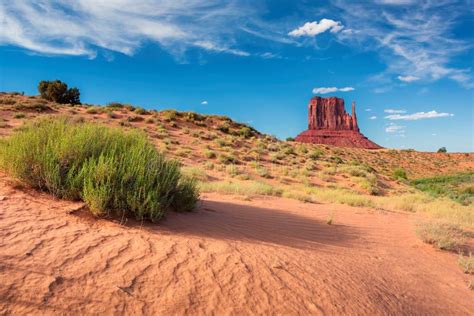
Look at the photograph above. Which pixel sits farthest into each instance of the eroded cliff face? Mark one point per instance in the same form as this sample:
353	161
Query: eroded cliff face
329	123
330	114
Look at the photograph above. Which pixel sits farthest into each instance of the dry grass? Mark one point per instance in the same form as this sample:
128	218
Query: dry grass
466	263
443	235
247	188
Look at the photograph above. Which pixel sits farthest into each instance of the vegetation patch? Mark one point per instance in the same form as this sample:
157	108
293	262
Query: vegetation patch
443	235
112	171
466	263
249	188
458	187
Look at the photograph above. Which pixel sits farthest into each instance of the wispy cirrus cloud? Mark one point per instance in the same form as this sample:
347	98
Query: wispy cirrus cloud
394	111
408	78
323	90
418	116
393	128
410	39
83	27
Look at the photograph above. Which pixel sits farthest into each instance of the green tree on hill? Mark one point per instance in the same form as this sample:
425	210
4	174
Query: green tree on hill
57	91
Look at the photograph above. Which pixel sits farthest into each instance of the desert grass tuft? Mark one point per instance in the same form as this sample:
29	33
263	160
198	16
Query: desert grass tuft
466	263
112	171
443	235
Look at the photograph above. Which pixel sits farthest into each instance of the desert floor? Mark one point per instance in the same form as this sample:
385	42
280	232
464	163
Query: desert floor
265	256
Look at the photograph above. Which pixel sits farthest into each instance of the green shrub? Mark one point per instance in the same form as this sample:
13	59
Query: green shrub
8	101
288	150
338	160
459	187
169	115
442	150
141	111
226	159
290	139
400	173
224	128
92	110
58	92
316	154
135	118
37	107
19	115
193	117
115	106
245	132
112	171
210	154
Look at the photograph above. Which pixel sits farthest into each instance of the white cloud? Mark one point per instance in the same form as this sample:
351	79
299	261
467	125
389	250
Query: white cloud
368	110
312	29
323	90
392	111
418	116
396	2
210	46
395	129
346	89
418	41
85	27
373	117
204	103
408	78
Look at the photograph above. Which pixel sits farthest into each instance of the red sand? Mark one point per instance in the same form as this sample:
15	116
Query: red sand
267	256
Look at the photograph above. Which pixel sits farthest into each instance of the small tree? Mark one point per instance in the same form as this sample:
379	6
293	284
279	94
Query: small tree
442	150
57	91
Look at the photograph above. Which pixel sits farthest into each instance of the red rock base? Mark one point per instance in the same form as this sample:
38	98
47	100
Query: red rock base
341	138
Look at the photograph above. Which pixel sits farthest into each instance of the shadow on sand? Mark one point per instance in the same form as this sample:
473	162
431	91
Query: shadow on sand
244	223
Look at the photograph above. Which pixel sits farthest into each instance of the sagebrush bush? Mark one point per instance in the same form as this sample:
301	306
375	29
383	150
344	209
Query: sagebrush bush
112	171
400	174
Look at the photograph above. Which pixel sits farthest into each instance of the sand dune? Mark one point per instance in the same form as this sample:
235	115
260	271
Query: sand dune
266	256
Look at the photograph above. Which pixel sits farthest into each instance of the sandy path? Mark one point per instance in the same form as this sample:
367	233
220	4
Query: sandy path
268	256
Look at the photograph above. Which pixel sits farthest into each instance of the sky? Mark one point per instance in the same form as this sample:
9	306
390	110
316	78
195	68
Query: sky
408	64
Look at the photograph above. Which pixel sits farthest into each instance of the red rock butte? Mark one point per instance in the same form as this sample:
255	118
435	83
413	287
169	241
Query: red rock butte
328	123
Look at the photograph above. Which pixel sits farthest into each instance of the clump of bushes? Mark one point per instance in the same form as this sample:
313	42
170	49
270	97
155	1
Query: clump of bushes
227	159
57	91
245	132
224	128
400	174
8	101
141	111
115	105
37	107
169	115
316	154
210	154
112	171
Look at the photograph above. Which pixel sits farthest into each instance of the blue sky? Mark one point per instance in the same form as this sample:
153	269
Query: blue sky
407	63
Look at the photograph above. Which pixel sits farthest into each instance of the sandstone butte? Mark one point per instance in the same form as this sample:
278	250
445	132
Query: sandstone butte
330	124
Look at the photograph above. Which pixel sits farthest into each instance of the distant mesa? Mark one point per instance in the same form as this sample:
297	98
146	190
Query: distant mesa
328	123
